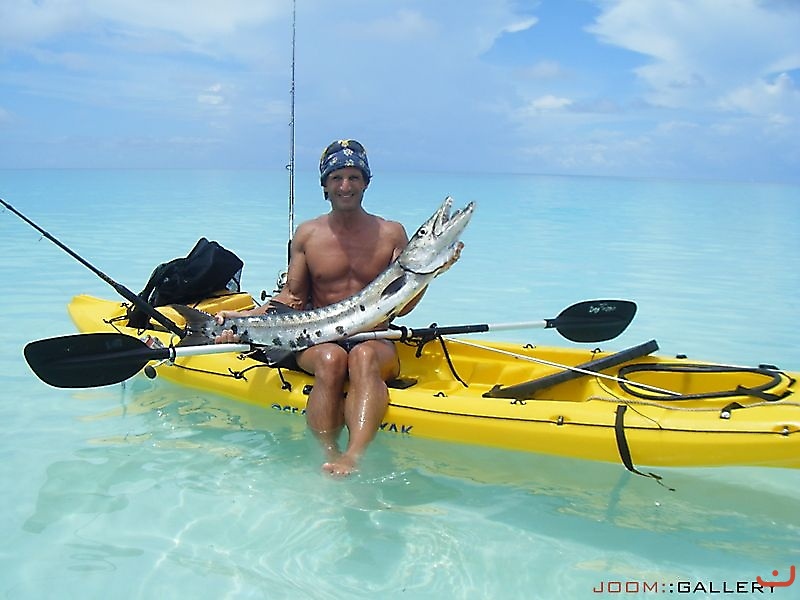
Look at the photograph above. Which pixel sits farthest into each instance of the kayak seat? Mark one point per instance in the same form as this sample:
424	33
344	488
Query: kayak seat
401	383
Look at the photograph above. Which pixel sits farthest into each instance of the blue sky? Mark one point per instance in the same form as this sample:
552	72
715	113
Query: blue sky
645	88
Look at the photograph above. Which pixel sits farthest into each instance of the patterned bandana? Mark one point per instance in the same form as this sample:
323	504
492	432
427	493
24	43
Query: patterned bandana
341	154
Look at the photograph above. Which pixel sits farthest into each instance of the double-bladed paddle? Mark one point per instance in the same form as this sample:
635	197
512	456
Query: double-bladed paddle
97	359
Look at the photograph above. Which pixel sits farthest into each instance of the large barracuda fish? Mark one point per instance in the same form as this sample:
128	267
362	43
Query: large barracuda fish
427	254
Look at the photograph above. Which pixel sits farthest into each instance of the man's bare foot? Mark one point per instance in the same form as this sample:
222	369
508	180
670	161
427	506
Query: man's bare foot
341	466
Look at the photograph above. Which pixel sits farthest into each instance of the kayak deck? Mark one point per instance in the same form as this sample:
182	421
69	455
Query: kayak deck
658	411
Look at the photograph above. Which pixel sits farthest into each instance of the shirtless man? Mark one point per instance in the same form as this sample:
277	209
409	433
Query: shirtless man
333	257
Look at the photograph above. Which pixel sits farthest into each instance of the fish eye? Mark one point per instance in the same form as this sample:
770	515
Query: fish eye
423	231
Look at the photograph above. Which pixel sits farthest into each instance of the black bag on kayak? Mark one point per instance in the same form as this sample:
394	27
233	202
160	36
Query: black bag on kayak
208	268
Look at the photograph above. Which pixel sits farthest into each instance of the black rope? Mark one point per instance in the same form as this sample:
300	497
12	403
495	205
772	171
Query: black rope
450	362
760	391
285	385
625	451
231	372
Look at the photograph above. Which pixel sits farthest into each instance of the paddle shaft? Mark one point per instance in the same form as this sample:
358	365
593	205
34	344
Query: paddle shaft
119	288
407	333
176	351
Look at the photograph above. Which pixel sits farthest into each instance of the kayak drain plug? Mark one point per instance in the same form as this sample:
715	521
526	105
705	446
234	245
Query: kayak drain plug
150	372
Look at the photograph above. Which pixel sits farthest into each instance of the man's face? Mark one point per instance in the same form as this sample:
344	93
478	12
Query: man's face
345	188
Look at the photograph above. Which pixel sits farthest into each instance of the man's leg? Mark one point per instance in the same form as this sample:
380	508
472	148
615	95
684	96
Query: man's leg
370	365
325	407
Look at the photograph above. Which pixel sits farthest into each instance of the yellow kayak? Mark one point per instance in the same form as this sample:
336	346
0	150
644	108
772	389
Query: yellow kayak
629	406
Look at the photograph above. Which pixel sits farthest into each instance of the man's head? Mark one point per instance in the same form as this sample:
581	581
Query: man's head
341	154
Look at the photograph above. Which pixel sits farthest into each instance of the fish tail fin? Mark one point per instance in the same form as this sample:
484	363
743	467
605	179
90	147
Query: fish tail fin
199	325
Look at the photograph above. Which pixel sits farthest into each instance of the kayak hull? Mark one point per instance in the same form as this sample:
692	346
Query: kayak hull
689	423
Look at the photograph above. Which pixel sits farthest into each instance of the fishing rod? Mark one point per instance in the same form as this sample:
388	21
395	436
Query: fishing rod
284	275
120	289
290	166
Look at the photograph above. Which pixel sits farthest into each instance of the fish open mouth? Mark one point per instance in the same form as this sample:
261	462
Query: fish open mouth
444	215
445	219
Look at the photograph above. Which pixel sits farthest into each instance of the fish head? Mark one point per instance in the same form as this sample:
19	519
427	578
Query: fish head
434	243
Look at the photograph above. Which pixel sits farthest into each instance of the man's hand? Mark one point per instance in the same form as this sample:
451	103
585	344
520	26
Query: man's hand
227	336
456	255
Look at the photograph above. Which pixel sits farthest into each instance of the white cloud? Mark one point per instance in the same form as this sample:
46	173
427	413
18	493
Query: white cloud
211	96
548	103
776	97
522	25
702	50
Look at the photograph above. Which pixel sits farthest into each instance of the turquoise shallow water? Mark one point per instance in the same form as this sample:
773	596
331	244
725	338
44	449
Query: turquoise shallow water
148	490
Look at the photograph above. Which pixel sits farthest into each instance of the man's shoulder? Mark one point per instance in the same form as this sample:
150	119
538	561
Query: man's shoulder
306	227
321	219
389	224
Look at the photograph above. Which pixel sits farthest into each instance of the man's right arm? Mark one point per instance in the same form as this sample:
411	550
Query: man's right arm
295	292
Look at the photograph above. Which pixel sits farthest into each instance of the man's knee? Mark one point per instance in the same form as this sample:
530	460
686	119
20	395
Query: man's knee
376	357
328	361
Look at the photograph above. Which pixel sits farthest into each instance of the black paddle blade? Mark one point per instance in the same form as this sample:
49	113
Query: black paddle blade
89	360
594	320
